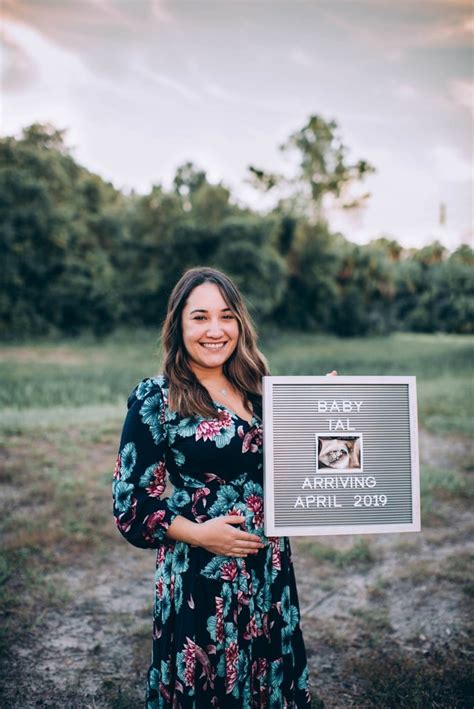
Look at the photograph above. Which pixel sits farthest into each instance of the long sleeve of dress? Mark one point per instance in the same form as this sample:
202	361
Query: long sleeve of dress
141	513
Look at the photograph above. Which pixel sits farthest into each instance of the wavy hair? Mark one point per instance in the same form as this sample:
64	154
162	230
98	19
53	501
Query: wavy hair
244	368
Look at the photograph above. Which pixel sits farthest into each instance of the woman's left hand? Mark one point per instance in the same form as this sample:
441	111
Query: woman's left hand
332	374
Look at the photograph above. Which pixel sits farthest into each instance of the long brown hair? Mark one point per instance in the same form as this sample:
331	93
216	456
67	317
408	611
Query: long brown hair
244	368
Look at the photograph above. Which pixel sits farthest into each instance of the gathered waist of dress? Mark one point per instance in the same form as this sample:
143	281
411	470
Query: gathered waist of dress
211	496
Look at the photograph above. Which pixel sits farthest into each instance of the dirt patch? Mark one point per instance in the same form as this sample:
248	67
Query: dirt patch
386	622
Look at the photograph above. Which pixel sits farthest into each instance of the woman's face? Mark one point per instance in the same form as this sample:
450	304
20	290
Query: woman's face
210	329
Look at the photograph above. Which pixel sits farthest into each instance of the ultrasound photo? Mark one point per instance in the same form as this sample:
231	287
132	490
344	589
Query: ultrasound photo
339	453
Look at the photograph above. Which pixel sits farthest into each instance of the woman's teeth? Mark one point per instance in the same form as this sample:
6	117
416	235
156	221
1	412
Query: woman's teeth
213	346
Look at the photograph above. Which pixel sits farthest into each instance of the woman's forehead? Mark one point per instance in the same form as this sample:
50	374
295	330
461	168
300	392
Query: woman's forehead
206	296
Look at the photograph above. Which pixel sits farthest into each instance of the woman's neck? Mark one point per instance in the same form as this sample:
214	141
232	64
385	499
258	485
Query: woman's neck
209	375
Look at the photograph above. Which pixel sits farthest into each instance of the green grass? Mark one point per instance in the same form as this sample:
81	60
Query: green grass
396	680
359	554
61	406
52	384
445	483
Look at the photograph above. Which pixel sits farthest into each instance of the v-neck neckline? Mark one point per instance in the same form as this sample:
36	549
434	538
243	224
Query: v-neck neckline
234	413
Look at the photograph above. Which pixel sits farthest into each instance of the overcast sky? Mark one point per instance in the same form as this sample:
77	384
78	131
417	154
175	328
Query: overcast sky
145	85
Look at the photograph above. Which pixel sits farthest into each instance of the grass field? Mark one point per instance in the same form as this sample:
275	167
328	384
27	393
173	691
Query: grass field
61	408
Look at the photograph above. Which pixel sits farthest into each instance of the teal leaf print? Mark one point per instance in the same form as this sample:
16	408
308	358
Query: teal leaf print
230	631
122	492
303	679
187	427
128	458
192	482
276	673
224	438
144	388
180	561
286	634
165	608
179	499
213	569
165	672
226	496
150	413
179	457
226	593
178	592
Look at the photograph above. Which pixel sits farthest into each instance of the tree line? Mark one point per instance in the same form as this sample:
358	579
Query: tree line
78	254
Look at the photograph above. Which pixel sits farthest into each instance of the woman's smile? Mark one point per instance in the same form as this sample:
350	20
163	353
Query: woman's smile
214	345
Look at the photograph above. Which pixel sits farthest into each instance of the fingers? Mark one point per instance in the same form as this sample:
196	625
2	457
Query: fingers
233	519
332	374
245	551
243	543
249	541
241	535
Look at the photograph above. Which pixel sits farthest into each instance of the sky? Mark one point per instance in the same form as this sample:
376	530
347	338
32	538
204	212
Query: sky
143	86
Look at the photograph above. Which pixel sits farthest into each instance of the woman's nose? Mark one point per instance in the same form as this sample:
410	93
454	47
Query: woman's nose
214	329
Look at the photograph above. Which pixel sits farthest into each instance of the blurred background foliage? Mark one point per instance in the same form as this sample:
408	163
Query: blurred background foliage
79	255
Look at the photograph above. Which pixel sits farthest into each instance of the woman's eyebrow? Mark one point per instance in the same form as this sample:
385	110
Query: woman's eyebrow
203	310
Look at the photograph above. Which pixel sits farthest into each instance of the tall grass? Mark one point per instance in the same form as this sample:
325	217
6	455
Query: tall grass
74	374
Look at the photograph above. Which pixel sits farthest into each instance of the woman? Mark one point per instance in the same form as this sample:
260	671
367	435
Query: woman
226	617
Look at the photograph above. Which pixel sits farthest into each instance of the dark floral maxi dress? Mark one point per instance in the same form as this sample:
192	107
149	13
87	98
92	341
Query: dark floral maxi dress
226	630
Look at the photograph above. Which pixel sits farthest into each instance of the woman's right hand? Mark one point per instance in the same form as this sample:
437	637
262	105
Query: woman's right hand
219	536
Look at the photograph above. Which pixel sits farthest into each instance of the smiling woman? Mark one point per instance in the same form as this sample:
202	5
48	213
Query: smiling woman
226	615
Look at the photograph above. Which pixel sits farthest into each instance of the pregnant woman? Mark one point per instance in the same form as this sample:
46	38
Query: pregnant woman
188	482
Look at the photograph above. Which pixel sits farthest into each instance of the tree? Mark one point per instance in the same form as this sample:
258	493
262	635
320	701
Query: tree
246	253
322	171
58	231
366	290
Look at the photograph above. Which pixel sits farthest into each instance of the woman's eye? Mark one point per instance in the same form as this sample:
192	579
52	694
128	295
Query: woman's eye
228	317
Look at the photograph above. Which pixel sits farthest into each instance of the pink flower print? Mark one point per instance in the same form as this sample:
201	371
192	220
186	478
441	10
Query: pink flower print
159	588
242	599
189	652
255	503
200	494
209	429
118	465
124	525
152	522
231	661
266	629
208	671
219	619
229	571
225	418
158	483
262	667
251	630
276	555
160	556
164	692
157	630
211	477
252	440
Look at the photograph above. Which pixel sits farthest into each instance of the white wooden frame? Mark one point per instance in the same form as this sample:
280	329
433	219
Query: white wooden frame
271	528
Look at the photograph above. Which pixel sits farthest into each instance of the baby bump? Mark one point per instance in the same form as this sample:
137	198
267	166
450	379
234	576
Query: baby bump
245	500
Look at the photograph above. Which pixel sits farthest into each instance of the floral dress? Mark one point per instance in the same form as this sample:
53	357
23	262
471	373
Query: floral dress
226	630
